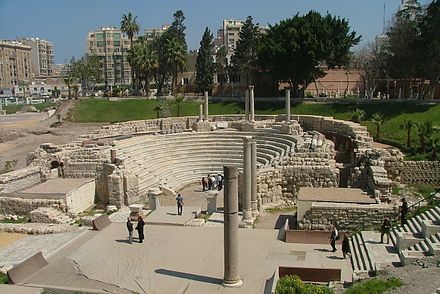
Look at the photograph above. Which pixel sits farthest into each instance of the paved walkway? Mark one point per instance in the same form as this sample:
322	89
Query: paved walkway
380	254
167	215
28	246
193	196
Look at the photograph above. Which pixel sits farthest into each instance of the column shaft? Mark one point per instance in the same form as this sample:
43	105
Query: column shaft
231	276
200	112
246	104
247	178
252	103
206	106
254	205
288	106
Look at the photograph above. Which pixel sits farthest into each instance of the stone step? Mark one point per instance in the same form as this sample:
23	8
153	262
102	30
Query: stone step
436	215
362	253
355	256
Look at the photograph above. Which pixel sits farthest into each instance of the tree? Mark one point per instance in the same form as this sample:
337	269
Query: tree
424	131
143	59
205	63
429	44
69	80
221	66
358	115
244	59
177	28
87	70
130	27
434	146
178	100
378	120
158	110
175	57
407	125
293	50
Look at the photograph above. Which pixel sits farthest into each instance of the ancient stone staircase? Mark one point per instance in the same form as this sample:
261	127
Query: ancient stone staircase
419	237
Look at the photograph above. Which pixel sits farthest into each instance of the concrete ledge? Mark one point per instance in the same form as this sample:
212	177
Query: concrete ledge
101	222
429	228
26	268
282	231
433	248
310	237
271	283
8	289
323	275
407	256
405	240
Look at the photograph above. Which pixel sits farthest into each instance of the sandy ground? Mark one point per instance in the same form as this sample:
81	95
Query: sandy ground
9	238
23	133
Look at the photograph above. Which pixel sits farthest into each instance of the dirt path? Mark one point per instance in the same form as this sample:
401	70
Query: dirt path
9	238
22	134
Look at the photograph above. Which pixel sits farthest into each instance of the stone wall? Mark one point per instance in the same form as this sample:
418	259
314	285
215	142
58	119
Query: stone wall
421	172
81	198
346	216
269	188
19	179
9	205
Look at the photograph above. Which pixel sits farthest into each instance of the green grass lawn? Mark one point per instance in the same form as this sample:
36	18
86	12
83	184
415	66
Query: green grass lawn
13	108
374	286
100	110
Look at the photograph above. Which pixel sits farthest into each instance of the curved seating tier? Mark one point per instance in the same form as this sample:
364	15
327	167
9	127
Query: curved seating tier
175	160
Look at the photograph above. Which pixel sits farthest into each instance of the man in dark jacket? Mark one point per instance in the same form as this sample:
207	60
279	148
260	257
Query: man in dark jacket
385	230
130	230
403	211
140	229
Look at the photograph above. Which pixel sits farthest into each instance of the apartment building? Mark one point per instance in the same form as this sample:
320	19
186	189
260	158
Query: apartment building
15	65
152	33
111	46
42	56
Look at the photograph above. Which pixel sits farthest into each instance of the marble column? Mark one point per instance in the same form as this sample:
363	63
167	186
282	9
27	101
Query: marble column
247	179
201	112
254	206
153	199
288	106
252	103
246	105
206	106
231	277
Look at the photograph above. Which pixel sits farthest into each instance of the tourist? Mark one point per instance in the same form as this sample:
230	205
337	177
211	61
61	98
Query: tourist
140	229
130	230
403	211
179	200
204	184
214	182
334	235
345	246
220	182
385	230
209	182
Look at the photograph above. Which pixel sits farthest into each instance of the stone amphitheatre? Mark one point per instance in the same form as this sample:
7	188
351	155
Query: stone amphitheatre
330	170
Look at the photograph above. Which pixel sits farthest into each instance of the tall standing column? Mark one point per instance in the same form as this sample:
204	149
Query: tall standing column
247	179
246	105
230	228
200	112
252	103
254	205
288	106
206	106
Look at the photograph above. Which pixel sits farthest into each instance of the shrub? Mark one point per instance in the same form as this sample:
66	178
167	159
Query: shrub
3	279
374	286
294	285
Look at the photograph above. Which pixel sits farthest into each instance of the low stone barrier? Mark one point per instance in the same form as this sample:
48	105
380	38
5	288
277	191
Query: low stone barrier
19	206
19	179
101	222
421	172
310	237
322	275
27	268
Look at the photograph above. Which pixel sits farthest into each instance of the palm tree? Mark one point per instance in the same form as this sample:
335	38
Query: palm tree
178	102
69	80
75	88
378	120
158	109
175	56
130	27
407	125
435	147
147	62
358	115
424	131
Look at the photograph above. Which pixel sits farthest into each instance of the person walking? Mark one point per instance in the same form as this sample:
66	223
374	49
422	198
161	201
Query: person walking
179	200
130	230
403	211
345	246
204	184
219	182
140	229
385	230
334	235
209	182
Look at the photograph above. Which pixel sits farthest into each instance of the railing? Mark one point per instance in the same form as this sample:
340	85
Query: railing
418	204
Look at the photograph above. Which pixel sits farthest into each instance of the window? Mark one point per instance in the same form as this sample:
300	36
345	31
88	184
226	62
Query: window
99	36
235	78
100	43
116	36
185	81
116	43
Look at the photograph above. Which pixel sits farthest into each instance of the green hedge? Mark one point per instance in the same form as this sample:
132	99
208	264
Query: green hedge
374	286
294	285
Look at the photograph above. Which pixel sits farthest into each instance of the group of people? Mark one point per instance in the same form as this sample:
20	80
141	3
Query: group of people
139	227
212	182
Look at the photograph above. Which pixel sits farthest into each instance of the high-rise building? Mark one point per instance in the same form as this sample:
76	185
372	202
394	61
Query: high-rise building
15	65
41	56
151	34
111	47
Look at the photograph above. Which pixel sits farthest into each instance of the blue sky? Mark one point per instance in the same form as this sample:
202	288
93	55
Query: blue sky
66	23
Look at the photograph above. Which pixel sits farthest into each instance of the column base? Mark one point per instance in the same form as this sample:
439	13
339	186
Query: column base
202	126
233	283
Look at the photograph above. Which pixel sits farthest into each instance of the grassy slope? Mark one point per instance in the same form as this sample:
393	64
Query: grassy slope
13	108
98	110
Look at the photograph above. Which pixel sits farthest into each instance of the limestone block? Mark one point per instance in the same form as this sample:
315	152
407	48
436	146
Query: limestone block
407	256
405	240
429	228
49	215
